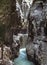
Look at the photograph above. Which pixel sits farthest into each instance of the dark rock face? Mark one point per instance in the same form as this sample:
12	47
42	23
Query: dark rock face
31	27
45	30
15	50
44	0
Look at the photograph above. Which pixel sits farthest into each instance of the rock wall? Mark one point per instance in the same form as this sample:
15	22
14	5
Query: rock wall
37	49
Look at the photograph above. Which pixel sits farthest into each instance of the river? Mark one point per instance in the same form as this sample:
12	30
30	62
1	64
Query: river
22	59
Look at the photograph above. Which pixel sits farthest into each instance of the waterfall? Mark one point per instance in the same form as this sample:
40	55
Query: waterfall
22	59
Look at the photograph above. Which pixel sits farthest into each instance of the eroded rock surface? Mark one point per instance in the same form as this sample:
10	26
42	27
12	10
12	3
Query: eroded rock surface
37	49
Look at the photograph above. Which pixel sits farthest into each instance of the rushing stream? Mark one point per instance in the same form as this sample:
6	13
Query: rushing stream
22	59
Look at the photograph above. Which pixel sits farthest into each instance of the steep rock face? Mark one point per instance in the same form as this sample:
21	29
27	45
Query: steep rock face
36	50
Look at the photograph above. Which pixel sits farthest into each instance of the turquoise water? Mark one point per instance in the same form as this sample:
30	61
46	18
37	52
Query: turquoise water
22	59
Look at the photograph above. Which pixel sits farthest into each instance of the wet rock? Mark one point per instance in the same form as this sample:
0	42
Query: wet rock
15	49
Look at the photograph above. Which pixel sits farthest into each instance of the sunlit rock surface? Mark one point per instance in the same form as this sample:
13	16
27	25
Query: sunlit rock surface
23	8
7	55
